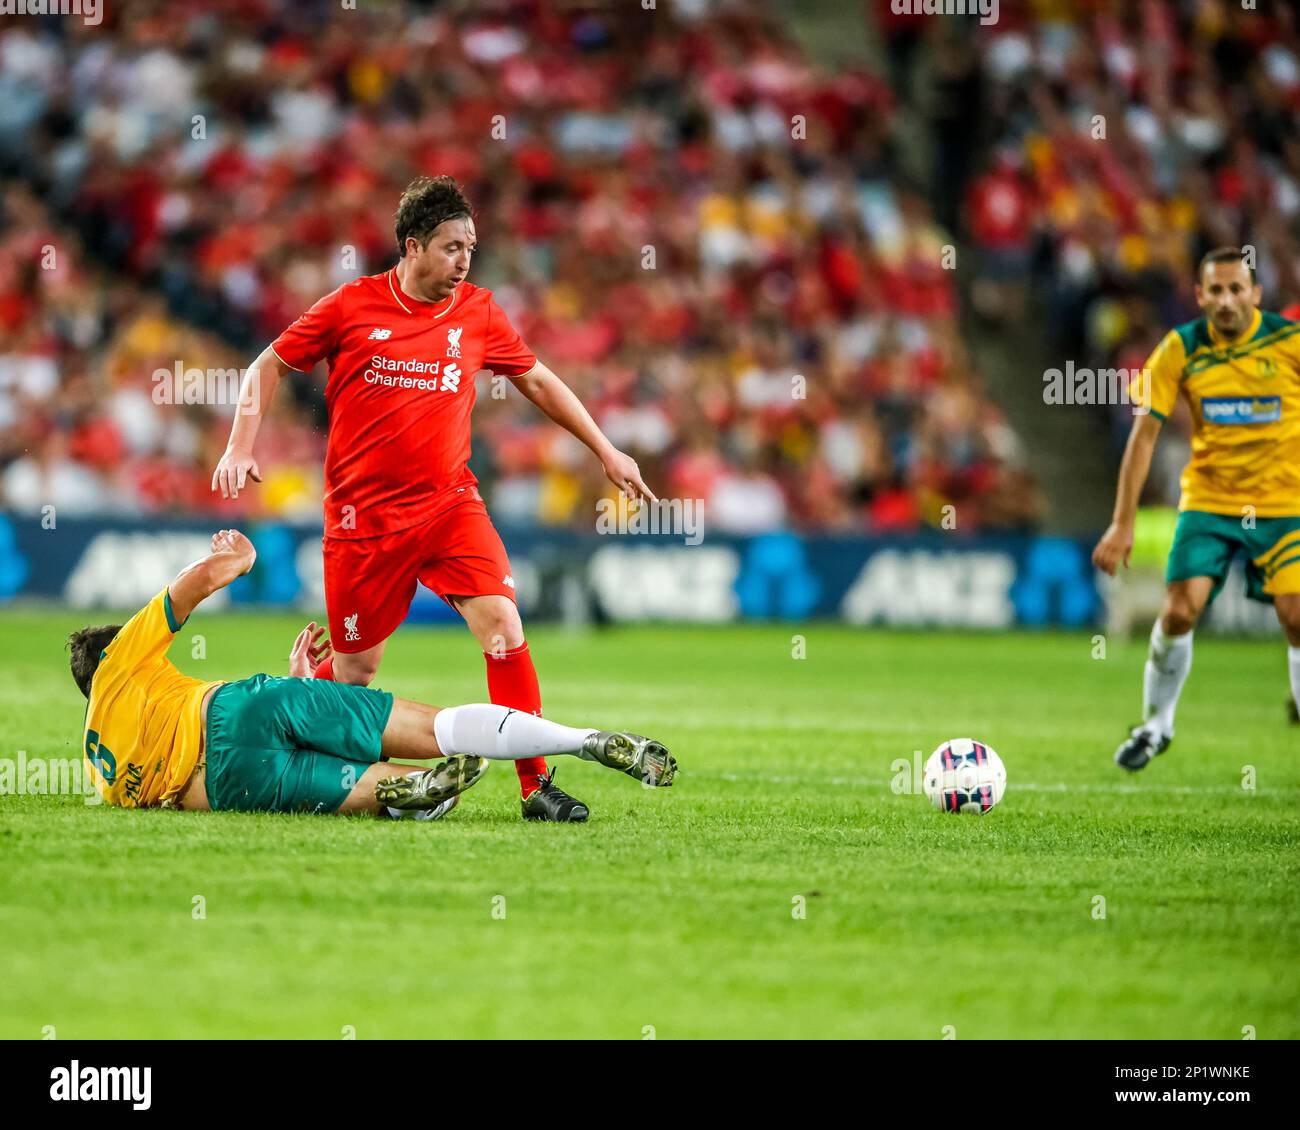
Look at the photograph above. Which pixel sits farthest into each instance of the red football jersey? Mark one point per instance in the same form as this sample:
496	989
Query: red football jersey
400	392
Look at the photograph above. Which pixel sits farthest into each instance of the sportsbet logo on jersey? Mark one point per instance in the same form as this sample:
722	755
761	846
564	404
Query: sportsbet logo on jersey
1241	409
385	371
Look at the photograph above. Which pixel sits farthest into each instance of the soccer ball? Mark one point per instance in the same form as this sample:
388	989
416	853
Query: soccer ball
964	775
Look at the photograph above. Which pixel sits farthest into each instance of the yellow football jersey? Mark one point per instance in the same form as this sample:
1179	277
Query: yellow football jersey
1245	400
143	735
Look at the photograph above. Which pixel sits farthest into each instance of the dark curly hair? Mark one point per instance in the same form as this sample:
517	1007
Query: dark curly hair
1224	255
87	646
426	203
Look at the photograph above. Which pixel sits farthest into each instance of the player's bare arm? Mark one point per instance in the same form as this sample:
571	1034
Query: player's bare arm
232	556
562	405
1116	543
237	464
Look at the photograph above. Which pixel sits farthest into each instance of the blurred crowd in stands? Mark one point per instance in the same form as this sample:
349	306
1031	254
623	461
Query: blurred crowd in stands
1105	147
702	230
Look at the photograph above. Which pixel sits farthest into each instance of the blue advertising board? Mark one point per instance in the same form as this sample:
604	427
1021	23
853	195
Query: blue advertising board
938	579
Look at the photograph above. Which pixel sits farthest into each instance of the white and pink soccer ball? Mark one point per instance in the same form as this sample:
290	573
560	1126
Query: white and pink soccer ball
964	775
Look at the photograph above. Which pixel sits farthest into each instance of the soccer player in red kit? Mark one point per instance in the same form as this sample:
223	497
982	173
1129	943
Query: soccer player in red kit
401	505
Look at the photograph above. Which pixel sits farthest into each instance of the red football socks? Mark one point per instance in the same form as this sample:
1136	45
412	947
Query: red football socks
512	682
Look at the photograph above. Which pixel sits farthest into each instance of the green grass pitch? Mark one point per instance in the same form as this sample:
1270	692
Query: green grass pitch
676	914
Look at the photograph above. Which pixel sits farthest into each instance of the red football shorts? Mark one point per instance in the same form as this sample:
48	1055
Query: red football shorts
370	582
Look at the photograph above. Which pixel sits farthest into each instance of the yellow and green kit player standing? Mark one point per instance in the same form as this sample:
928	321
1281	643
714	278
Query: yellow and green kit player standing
1239	368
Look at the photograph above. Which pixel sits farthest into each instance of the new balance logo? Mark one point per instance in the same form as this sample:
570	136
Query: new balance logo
453	341
351	634
382	335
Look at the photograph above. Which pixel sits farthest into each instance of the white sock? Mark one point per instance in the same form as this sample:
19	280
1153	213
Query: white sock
1168	662
1293	665
502	734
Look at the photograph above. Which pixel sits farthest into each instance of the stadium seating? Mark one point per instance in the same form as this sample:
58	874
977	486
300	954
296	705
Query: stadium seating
753	308
1116	158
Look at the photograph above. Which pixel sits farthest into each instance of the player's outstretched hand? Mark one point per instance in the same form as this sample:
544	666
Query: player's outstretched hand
233	471
626	475
1116	545
232	541
309	651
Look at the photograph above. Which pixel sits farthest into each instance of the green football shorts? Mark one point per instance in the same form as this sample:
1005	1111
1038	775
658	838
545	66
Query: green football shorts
291	745
1205	544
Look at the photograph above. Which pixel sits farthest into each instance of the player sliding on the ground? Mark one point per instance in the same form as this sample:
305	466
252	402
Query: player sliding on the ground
155	737
401	504
1239	368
